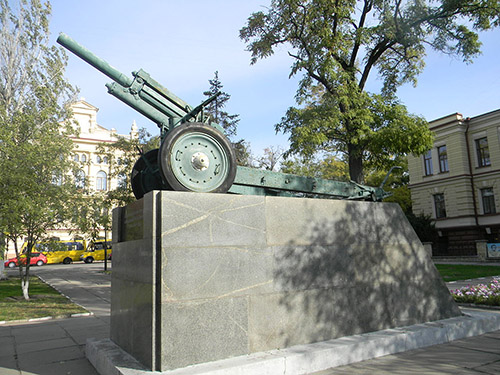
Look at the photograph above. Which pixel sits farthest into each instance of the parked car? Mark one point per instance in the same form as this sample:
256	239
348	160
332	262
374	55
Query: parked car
36	259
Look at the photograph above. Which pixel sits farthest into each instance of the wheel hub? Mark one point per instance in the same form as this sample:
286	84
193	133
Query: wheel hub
200	161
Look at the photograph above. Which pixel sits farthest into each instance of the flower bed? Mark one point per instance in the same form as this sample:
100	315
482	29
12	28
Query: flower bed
481	294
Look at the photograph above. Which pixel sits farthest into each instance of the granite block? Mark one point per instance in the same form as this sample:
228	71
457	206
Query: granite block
212	220
203	330
214	272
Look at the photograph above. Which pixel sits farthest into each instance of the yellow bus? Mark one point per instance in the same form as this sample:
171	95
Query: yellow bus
61	251
96	252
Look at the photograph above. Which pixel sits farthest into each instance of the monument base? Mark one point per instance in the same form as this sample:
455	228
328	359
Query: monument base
109	359
204	277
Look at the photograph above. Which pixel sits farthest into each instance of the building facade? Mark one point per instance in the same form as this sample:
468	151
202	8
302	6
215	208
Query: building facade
457	182
95	170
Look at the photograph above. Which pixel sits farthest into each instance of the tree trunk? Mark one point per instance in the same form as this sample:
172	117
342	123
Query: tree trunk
3	275
25	283
355	164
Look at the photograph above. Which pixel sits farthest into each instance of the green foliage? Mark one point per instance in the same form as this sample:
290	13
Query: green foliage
337	45
93	211
36	183
228	122
243	153
216	107
328	167
423	226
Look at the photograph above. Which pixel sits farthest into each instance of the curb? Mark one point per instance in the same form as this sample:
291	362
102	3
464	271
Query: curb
110	359
78	315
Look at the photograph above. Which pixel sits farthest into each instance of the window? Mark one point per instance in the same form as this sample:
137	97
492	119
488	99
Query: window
428	163
98	160
122	180
488	199
443	159
76	158
101	182
105	160
84	158
439	206
80	179
483	153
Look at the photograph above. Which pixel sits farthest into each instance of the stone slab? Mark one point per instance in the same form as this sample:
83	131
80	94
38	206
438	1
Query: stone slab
205	277
109	359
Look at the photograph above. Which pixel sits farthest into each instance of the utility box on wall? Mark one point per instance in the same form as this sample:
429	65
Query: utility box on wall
201	277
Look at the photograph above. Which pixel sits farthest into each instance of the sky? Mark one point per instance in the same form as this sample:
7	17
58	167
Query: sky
182	43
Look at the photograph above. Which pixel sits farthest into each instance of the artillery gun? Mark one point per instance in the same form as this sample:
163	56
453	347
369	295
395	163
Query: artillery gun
195	155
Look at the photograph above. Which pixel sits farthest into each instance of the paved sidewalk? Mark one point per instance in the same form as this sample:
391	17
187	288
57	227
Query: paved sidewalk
56	347
475	355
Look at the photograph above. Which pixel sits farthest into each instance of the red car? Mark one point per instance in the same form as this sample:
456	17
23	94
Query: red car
36	259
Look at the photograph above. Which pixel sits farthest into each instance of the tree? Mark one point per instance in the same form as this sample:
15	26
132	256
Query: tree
36	183
339	44
328	167
228	122
270	159
216	107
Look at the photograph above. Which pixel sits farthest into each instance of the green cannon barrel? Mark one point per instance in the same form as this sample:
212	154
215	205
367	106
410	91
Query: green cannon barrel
93	60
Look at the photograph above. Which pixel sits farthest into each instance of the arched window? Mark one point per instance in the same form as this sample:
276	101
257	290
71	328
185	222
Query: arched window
98	159
76	158
80	179
101	182
84	158
105	160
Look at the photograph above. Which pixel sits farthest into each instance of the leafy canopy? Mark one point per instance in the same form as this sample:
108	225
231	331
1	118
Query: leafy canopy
338	44
36	174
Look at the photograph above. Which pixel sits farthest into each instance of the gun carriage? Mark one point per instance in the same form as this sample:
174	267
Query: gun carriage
195	155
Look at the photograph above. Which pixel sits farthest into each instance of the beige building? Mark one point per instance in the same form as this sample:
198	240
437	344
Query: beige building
457	183
95	170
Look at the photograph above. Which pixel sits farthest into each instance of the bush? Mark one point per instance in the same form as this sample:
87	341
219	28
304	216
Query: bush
423	226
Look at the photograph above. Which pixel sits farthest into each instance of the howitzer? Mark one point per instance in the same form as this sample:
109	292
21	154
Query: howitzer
195	155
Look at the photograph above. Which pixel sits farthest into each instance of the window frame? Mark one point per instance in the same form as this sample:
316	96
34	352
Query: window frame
488	201
439	206
443	159
482	152
101	181
428	167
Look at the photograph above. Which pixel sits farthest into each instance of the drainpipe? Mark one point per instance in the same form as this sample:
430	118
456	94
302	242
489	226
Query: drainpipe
467	121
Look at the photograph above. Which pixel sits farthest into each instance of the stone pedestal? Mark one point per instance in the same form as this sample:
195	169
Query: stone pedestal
201	277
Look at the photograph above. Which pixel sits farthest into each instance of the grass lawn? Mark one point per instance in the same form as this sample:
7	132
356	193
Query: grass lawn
44	301
452	272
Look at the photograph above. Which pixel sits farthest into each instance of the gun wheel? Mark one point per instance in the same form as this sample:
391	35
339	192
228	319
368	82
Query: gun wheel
145	175
197	157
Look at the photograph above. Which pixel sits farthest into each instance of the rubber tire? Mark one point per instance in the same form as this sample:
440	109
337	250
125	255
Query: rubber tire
67	260
11	265
89	260
142	179
192	127
39	263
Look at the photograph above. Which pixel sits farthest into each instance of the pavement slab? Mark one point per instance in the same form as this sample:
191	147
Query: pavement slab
56	347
